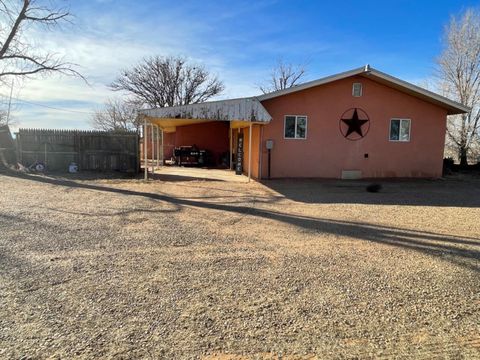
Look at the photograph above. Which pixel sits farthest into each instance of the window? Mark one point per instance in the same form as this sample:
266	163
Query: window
400	130
295	127
357	89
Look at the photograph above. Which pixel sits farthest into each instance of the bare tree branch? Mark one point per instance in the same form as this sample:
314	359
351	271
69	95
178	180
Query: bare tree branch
117	115
283	76
18	56
168	81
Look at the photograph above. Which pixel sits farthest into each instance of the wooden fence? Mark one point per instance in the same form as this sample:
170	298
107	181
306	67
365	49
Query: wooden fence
90	150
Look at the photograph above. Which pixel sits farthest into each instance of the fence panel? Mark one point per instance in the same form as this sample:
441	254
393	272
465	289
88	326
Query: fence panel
91	150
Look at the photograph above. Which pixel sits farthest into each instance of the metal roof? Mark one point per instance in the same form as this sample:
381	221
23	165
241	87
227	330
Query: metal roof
453	107
251	109
242	109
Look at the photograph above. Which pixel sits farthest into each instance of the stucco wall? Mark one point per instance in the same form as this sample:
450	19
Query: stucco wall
325	152
212	136
256	129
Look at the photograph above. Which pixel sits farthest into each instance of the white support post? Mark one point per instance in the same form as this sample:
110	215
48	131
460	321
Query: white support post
145	148
158	145
153	150
250	152
163	149
231	148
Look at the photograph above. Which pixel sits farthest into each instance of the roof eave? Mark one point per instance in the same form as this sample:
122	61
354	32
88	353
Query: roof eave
451	106
311	84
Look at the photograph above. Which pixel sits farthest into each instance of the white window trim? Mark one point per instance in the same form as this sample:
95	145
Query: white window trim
400	126
353	89
296	117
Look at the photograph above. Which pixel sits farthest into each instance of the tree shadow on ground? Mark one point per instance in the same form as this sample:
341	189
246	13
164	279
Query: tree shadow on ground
459	250
444	193
179	178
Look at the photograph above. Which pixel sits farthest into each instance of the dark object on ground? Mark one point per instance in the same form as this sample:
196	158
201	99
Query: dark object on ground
191	155
374	188
448	166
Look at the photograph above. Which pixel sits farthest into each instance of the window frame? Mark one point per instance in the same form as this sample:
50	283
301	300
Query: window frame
353	89
296	122
399	130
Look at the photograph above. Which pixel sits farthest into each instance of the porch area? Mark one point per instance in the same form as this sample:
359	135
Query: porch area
220	135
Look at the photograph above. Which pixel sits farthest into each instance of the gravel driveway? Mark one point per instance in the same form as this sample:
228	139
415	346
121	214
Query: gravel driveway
213	270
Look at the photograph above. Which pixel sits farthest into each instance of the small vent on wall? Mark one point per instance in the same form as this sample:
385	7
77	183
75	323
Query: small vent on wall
357	89
351	174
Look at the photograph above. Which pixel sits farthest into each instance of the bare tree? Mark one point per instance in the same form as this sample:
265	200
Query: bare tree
7	119
18	55
168	81
284	76
117	115
3	118
459	75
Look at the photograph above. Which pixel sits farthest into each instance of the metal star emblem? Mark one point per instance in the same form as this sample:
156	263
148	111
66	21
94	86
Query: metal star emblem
354	125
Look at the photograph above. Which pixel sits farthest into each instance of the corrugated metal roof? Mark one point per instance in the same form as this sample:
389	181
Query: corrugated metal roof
242	109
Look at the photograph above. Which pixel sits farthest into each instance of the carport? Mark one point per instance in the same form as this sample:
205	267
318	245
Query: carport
241	115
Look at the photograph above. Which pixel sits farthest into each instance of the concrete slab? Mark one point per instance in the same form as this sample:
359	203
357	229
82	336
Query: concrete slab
178	173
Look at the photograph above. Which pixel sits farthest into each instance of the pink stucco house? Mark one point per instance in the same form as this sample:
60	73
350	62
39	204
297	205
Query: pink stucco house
361	123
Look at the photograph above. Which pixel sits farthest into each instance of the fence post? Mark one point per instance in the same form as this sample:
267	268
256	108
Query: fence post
153	149
145	150
137	153
76	142
19	148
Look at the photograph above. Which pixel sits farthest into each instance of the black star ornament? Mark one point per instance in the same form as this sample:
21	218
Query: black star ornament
354	124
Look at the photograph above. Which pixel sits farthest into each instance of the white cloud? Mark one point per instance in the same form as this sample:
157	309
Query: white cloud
103	43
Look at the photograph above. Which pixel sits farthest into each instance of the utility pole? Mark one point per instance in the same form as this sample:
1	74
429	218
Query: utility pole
10	103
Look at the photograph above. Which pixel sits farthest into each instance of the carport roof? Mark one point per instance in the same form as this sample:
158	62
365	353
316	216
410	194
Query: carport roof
241	109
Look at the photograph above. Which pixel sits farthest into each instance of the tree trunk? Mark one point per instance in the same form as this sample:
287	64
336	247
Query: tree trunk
463	158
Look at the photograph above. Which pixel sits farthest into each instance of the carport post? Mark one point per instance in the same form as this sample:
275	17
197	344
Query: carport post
163	160
158	145
250	152
231	146
145	147
153	150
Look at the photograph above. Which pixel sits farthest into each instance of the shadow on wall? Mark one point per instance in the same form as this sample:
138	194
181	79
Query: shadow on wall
462	251
444	193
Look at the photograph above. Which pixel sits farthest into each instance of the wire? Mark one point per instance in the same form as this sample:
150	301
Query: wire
50	107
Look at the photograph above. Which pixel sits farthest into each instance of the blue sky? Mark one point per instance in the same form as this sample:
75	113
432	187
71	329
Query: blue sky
239	41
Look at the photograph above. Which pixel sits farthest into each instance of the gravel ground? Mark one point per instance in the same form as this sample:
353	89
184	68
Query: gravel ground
213	270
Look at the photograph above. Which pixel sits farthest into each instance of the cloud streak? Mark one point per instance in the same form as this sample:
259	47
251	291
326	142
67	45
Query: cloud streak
239	41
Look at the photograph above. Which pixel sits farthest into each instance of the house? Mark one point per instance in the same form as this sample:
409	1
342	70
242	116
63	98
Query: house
361	123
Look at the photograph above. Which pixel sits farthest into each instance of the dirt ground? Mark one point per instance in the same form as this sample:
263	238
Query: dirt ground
187	269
